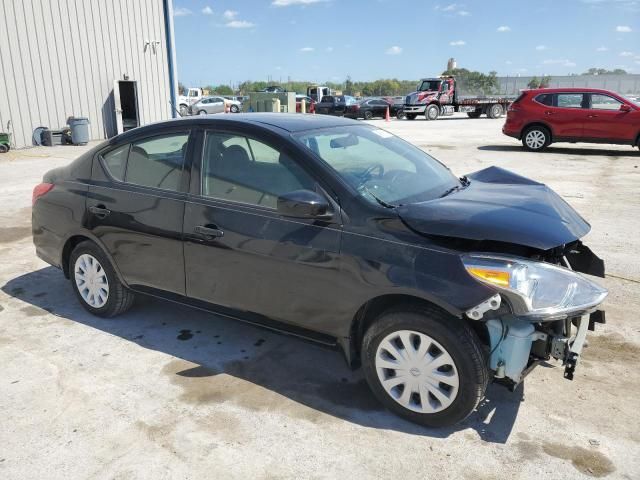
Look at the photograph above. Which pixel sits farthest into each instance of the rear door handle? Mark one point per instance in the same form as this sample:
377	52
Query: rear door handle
99	211
208	233
593	116
548	112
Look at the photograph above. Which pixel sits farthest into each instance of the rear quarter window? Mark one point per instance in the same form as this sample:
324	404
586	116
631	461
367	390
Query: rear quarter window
115	161
545	99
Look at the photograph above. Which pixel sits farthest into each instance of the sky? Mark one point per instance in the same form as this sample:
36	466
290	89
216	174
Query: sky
230	41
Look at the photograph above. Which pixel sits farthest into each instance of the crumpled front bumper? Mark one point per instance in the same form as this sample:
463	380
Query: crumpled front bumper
518	345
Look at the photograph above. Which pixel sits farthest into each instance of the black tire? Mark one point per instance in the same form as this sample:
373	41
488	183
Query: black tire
368	115
202	112
475	114
4	148
184	110
411	116
540	133
432	112
400	115
495	111
234	109
457	339
119	299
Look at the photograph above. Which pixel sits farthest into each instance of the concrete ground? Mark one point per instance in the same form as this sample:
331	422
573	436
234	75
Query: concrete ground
169	392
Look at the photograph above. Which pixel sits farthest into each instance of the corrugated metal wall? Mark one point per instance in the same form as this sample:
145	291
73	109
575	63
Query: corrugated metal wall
60	58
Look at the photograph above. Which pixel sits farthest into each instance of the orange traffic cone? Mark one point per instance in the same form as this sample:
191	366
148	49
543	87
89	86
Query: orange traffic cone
386	117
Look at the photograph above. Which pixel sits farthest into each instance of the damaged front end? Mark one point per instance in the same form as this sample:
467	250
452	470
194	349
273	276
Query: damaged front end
541	310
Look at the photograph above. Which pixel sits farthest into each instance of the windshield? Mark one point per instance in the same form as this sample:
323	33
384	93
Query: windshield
380	166
430	86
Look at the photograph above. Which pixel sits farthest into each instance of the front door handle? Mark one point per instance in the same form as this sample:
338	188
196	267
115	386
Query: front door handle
593	116
548	112
208	232
99	211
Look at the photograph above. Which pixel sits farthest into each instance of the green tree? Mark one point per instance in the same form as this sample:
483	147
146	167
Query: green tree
602	71
534	83
545	81
348	86
223	90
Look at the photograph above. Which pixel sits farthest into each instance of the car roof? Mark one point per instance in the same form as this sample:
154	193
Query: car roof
290	122
571	90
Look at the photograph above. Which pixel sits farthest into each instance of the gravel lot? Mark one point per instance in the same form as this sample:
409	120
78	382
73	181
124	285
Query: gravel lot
169	392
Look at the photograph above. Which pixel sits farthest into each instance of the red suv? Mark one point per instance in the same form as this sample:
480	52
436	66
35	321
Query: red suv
540	117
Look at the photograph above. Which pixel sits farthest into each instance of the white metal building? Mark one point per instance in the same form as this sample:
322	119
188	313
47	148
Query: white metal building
109	60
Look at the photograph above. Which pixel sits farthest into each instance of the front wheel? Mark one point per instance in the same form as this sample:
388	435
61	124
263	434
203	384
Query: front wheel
536	139
411	116
368	115
425	365
202	112
400	115
95	282
184	110
234	109
432	112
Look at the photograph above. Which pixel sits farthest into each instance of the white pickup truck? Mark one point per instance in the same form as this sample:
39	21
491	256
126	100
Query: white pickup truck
185	101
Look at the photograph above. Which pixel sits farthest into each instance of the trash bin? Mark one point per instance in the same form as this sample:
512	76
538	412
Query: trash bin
79	130
46	137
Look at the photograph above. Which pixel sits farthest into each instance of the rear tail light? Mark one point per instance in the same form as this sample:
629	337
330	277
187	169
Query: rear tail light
39	191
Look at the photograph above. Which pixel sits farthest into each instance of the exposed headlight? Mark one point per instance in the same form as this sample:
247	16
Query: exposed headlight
536	289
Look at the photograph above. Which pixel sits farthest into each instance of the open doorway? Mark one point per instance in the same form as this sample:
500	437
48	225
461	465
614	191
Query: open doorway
125	95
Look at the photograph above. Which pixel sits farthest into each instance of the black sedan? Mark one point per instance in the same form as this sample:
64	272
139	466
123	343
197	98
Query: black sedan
377	107
338	232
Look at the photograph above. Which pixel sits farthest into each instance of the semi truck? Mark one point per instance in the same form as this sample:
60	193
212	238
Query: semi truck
436	97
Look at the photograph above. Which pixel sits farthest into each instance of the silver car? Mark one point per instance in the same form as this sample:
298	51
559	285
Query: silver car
209	105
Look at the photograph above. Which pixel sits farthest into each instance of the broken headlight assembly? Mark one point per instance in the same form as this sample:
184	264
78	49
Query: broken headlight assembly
537	290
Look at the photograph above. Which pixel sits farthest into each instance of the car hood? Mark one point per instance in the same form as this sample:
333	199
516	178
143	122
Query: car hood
501	206
420	97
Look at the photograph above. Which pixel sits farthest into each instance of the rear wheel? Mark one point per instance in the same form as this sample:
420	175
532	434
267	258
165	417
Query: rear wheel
536	138
95	282
234	109
425	365
475	114
202	112
411	116
4	148
184	110
400	115
432	112
495	111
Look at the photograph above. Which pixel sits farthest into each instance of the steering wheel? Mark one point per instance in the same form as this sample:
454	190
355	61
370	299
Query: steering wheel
376	166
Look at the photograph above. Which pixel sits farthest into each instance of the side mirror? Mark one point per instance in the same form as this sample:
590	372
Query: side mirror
625	108
303	204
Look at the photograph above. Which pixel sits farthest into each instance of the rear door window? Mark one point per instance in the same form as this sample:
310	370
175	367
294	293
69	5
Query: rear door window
570	100
157	161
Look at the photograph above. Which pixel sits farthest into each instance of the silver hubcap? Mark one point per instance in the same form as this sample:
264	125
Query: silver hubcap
416	371
432	113
91	280
535	139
